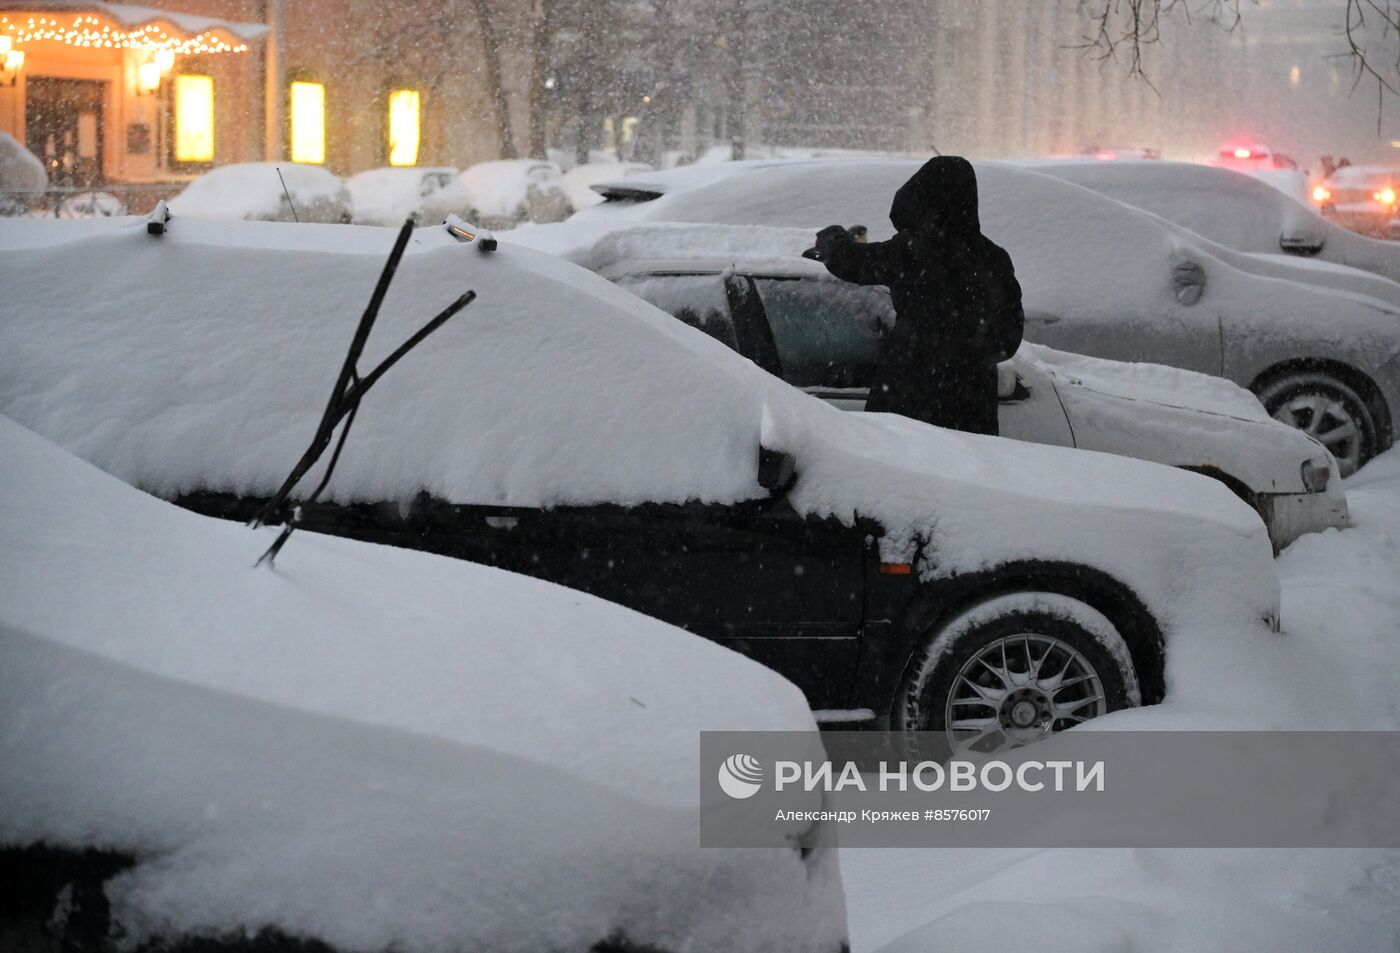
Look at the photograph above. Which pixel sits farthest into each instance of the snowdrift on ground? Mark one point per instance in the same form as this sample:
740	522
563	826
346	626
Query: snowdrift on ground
373	747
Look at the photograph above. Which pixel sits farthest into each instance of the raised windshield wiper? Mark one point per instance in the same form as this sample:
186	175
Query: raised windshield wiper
350	388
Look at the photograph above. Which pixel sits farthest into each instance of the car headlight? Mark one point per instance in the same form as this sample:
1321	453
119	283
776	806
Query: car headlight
1316	473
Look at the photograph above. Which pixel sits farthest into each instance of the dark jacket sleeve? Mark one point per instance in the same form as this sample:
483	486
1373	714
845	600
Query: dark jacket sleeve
876	263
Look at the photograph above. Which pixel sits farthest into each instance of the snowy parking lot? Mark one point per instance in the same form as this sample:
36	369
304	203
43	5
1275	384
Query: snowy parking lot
1336	665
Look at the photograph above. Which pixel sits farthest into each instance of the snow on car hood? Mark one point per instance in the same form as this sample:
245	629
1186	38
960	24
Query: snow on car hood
554	387
370	746
1171	386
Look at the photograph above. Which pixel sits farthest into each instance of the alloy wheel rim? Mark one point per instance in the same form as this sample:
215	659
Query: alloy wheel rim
1019	689
1328	419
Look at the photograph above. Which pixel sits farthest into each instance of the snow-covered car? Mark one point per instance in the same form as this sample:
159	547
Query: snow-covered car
565	428
1251	158
1361	198
366	749
1236	210
259	191
507	192
579	180
22	177
752	291
389	195
1111	281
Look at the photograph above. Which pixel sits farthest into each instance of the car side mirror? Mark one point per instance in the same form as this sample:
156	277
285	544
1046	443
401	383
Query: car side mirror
1304	245
1190	280
777	470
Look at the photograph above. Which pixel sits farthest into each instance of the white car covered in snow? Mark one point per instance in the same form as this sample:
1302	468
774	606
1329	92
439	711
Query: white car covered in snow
389	195
563	427
368	748
750	289
1265	231
508	192
1108	280
266	192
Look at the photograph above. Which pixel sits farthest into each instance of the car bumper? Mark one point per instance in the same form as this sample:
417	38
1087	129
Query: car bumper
1290	515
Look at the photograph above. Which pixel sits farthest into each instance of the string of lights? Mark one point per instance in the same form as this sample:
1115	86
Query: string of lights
90	31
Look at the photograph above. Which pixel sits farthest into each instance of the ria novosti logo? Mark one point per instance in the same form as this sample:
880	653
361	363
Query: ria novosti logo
740	776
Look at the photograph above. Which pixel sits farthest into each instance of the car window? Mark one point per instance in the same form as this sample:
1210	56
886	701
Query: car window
698	300
828	333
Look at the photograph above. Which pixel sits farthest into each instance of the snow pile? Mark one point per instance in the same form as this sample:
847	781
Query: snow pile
337	748
387	196
253	191
508	191
20	169
579	181
1336	667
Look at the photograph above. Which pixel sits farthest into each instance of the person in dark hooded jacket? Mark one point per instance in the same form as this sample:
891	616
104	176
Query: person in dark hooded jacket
956	299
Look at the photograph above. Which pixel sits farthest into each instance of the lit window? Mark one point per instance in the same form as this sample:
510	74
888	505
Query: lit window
403	127
194	118
308	122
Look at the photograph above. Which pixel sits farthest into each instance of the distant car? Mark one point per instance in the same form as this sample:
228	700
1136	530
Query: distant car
389	195
335	756
579	181
507	192
564	428
1361	198
1251	158
266	192
1111	281
790	317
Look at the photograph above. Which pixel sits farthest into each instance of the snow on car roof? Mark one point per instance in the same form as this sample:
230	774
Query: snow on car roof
1052	229
353	746
206	359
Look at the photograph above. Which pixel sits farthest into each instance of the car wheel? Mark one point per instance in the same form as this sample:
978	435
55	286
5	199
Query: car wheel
1014	669
1323	407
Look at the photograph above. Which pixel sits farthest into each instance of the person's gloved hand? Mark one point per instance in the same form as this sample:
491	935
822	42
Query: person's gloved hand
831	238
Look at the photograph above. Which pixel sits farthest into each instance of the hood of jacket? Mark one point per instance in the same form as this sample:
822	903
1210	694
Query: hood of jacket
941	196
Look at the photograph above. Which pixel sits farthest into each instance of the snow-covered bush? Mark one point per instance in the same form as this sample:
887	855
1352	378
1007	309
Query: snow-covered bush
253	191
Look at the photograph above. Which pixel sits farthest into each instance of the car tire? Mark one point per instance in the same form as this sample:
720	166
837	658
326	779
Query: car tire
1322	406
1011	670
